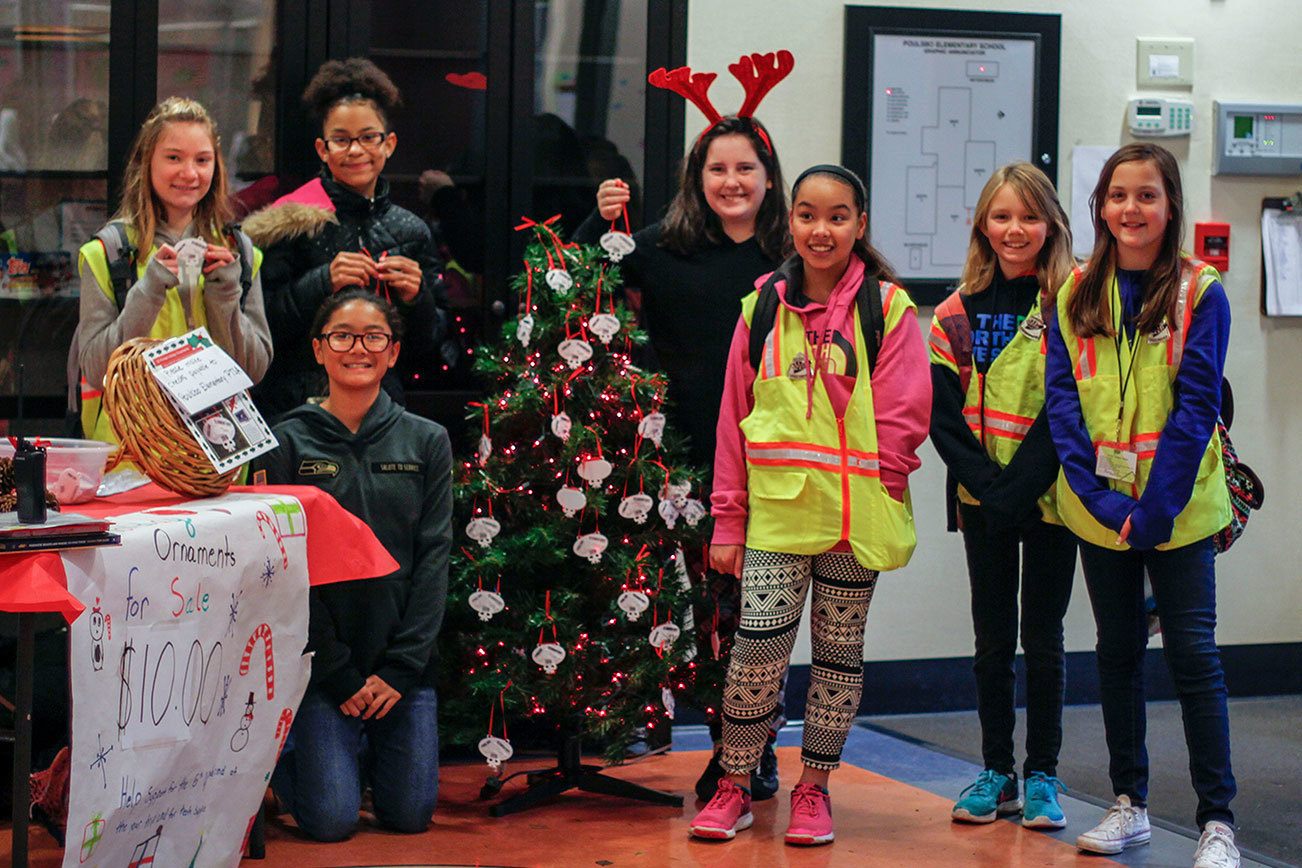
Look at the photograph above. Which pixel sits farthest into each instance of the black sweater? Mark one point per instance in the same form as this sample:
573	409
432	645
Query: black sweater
1008	496
395	474
690	307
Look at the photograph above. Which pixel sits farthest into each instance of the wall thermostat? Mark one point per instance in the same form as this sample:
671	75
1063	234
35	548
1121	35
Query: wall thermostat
1257	138
1160	116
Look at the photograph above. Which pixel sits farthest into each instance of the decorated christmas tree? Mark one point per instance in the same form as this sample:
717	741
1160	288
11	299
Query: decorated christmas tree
569	604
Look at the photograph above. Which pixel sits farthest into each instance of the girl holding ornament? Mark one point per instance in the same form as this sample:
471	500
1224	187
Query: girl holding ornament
167	262
988	424
342	230
726	227
818	433
374	672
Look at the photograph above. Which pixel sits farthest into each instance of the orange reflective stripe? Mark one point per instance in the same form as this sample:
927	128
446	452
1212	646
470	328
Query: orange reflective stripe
768	370
812	447
1144	445
940	343
888	298
808	455
845	480
1086	363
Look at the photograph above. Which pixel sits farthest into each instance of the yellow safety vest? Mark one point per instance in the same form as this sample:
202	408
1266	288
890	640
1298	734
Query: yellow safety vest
1000	405
1098	366
171	321
815	482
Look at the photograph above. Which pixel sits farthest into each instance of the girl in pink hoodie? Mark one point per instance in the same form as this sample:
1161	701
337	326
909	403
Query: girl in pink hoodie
816	440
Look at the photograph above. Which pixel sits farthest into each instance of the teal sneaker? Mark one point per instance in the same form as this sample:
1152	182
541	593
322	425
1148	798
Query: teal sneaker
990	795
1042	810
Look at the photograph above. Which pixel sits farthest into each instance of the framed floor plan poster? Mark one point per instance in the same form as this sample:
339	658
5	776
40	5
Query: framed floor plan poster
934	101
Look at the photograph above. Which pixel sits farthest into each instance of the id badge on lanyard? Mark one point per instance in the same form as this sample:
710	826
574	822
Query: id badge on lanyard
1116	460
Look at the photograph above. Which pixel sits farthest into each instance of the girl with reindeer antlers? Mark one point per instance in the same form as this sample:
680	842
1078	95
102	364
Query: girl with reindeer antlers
725	228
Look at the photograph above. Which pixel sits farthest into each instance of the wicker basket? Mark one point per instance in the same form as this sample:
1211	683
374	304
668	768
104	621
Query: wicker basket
149	430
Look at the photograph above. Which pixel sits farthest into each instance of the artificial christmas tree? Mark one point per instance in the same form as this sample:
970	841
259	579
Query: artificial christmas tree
569	604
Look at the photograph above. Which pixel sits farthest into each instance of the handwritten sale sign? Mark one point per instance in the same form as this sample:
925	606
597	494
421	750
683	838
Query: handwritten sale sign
195	371
187	669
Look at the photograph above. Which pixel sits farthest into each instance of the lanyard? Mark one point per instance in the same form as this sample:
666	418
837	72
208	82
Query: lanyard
1125	381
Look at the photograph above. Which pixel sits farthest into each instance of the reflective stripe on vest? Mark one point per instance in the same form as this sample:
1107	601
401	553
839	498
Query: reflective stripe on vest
1148	403
813	482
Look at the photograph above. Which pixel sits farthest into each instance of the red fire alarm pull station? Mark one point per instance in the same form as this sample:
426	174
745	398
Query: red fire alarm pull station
1212	244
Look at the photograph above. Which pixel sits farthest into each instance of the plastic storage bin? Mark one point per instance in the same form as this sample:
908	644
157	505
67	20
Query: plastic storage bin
73	468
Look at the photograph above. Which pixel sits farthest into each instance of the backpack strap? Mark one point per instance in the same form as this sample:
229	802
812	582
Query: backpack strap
763	317
872	319
235	234
121	256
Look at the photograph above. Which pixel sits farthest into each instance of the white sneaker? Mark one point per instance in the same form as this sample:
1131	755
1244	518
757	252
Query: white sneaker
1122	826
1216	847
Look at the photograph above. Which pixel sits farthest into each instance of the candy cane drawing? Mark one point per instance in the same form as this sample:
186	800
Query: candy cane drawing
265	521
282	733
263	632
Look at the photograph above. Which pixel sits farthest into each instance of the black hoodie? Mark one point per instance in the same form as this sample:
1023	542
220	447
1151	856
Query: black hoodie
395	474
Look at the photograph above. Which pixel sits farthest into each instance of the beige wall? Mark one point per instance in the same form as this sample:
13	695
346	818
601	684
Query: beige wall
1244	50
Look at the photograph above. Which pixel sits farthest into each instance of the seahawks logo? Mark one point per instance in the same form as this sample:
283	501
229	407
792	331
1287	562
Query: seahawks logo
799	367
311	467
1159	335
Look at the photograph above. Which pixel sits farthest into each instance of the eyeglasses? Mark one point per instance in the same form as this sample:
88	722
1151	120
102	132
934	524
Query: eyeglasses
342	342
369	140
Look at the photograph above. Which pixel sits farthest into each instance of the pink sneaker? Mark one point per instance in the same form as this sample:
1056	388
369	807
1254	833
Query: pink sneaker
811	816
725	815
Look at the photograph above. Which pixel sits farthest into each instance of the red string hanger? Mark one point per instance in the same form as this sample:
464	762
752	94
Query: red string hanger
758	74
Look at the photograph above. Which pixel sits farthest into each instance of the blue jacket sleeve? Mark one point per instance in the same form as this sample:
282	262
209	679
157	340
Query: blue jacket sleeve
1072	440
1184	438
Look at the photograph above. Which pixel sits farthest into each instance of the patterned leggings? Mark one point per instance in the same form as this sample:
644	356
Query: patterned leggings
773	588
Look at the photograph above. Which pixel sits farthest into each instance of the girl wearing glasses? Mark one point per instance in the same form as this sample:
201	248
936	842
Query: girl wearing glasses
370	715
341	230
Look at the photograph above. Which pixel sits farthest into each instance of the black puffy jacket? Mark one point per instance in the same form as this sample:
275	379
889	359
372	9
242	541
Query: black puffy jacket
299	237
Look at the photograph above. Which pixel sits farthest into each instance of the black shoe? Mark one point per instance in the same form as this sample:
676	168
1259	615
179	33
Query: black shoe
709	780
764	780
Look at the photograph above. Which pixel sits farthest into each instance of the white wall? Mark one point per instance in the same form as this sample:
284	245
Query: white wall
1244	50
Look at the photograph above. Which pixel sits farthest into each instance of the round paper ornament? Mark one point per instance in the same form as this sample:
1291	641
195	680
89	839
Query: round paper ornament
604	325
667	699
693	512
487	603
483	529
495	750
561	425
652	427
590	546
633	604
663	636
636	507
485	449
571	499
548	655
559	280
595	470
668	512
617	245
524	329
575	351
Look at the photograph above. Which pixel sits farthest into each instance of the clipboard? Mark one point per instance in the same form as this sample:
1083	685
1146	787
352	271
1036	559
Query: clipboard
1281	256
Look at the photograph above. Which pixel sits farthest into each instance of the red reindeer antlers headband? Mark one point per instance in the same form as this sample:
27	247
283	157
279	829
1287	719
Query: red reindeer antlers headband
758	74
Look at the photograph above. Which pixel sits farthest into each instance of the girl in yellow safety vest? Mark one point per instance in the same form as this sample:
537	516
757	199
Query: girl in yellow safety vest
815	444
987	344
1133	386
174	188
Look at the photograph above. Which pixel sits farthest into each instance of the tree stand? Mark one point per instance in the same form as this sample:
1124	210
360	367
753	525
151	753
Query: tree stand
572	773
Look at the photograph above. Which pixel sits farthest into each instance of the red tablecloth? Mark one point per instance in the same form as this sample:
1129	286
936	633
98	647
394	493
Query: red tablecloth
35	581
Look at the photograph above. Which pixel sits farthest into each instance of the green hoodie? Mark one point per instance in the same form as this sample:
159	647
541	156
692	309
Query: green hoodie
395	474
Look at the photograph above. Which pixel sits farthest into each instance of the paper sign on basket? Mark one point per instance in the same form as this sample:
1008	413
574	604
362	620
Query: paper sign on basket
195	371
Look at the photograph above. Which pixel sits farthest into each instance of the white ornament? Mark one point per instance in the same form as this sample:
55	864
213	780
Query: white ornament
694	512
634	603
524	329
189	260
590	546
575	351
483	529
617	245
676	493
652	427
663	636
219	431
559	280
485	449
636	507
571	500
604	325
561	425
669	513
667	699
548	655
595	470
487	603
495	750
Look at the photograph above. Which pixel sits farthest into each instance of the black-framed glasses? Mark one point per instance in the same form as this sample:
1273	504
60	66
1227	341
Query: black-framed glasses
342	342
368	140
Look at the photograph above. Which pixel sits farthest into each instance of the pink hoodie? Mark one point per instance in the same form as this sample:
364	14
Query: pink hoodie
901	396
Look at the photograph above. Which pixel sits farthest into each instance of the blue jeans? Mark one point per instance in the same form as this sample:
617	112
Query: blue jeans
1184	589
329	758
